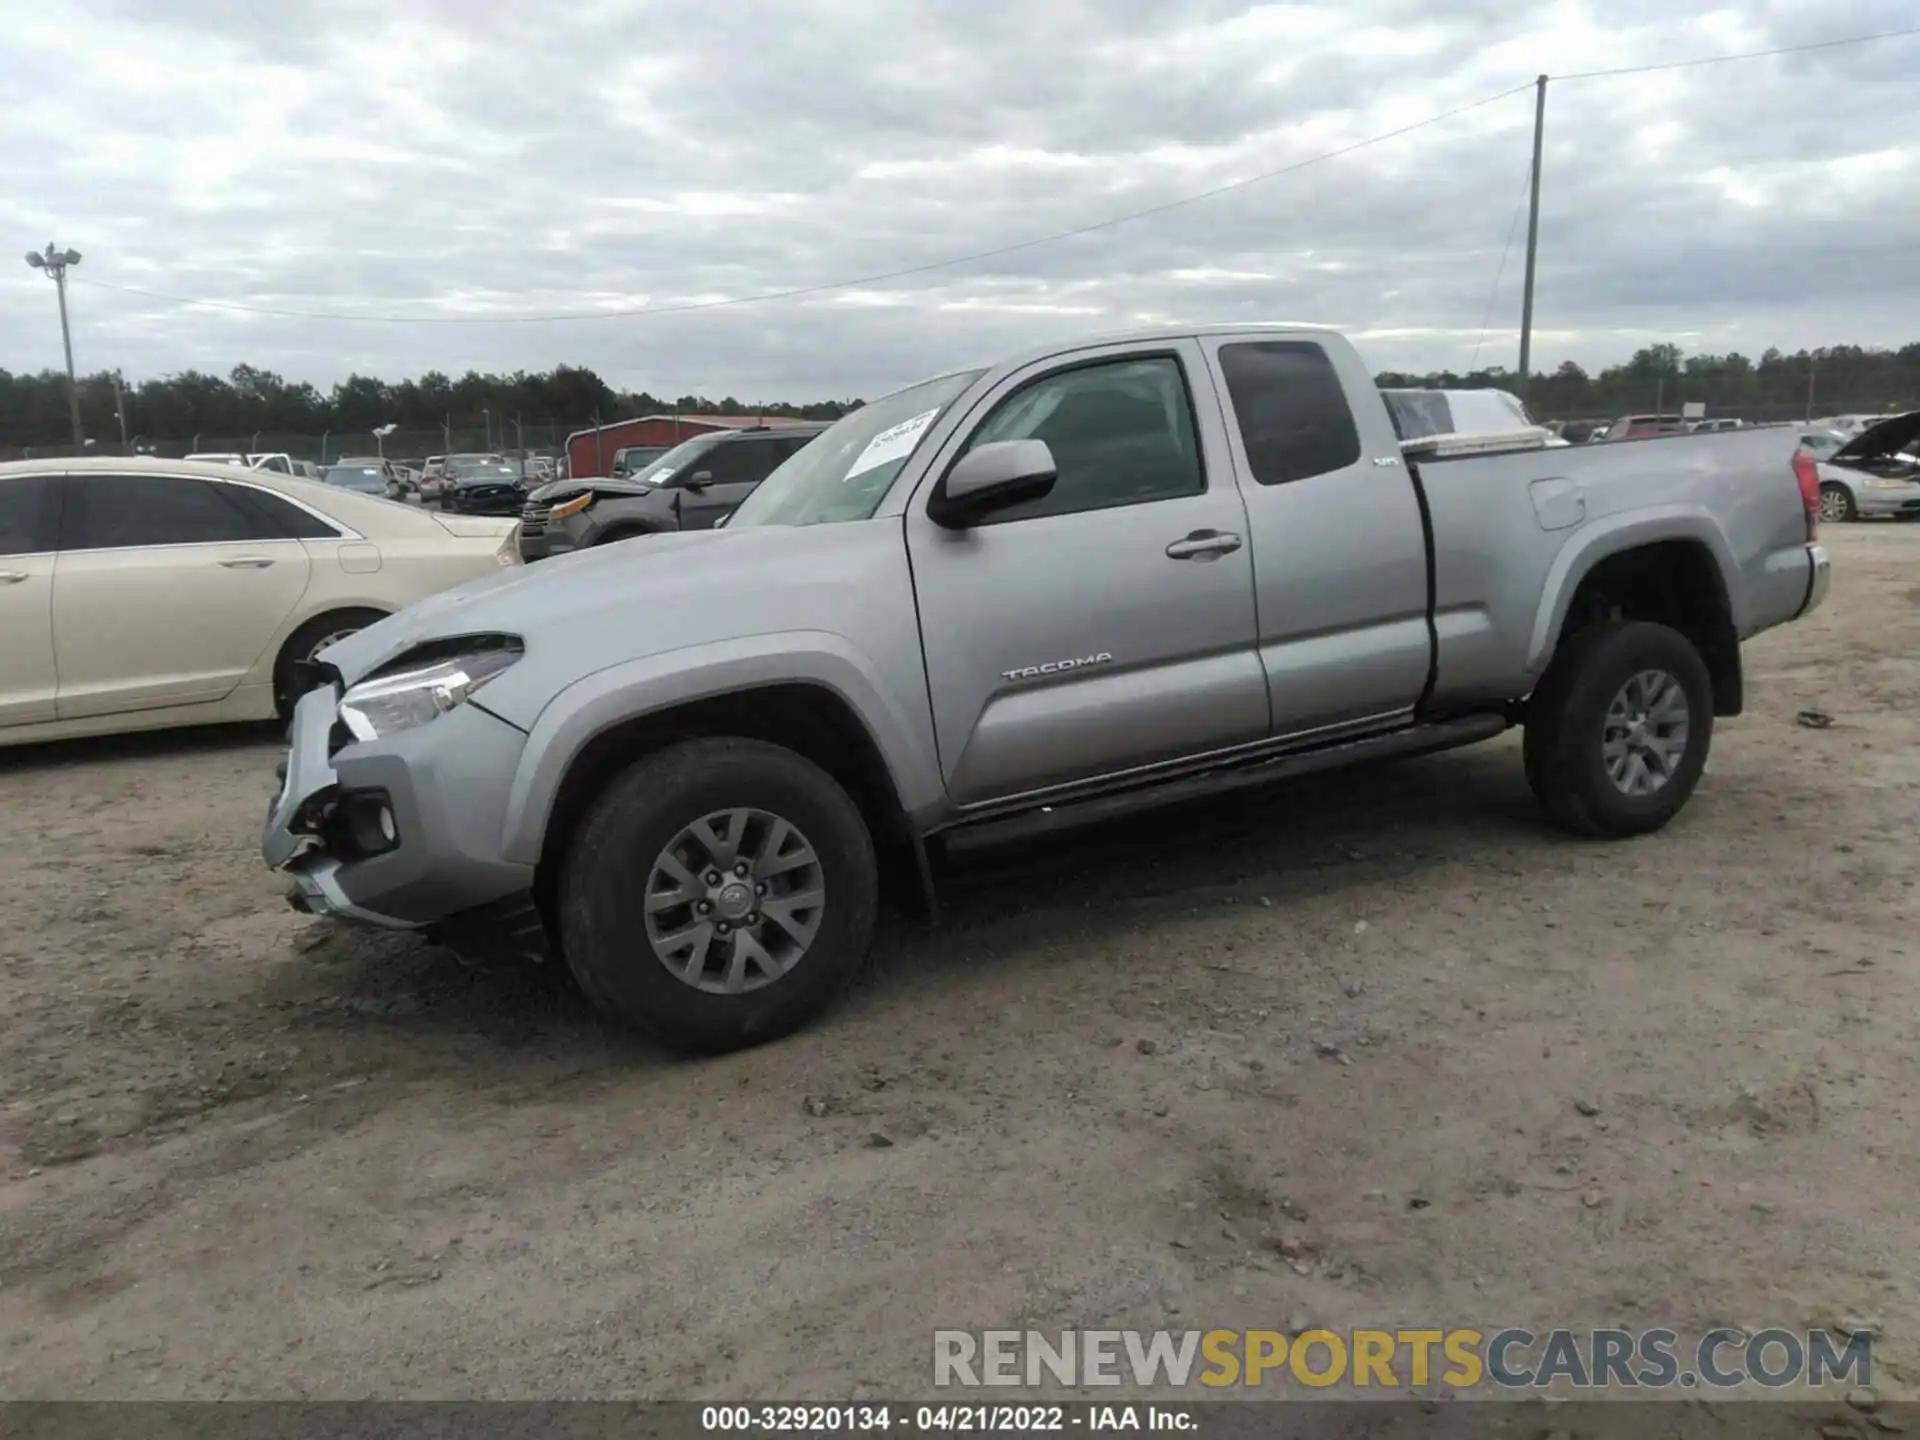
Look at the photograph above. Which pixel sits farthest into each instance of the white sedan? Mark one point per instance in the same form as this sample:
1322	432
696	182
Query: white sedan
142	594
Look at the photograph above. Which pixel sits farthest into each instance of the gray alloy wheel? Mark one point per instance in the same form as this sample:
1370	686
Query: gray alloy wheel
1836	506
1644	736
734	901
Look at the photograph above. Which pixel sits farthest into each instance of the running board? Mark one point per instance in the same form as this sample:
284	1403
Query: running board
1421	739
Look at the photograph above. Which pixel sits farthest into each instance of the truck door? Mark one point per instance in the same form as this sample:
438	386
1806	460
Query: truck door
1339	548
1108	625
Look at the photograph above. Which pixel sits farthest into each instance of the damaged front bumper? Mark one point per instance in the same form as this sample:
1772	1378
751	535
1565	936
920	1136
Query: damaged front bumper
401	832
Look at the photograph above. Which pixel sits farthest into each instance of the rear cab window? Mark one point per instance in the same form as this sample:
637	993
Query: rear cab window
1291	408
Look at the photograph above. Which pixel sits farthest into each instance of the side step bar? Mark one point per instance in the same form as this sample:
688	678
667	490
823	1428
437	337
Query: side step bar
1420	739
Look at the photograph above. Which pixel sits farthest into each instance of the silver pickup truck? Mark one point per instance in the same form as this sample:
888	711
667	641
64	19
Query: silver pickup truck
1092	578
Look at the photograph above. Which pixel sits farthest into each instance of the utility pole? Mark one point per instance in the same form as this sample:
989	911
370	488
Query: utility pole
120	410
53	263
1810	389
1533	238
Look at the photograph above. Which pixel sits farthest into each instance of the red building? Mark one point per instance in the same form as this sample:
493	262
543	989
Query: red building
591	452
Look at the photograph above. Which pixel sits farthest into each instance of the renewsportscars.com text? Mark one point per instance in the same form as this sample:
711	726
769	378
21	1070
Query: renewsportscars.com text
1510	1359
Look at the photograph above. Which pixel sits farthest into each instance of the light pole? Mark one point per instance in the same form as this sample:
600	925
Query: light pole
486	423
380	434
53	263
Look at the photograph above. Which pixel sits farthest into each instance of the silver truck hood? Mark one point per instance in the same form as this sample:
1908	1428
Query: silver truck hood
585	612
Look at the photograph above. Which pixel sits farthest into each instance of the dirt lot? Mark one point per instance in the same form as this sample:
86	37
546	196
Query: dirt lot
243	1153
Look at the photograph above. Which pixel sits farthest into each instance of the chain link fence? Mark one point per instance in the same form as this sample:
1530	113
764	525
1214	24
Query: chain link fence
513	441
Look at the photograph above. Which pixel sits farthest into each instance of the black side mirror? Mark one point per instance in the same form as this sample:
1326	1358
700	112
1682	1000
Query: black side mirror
992	477
699	480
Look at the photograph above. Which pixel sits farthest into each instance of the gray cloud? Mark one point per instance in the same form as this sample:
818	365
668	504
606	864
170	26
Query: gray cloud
443	159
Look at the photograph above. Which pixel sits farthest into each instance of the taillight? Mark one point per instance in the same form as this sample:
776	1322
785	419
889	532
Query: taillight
1807	471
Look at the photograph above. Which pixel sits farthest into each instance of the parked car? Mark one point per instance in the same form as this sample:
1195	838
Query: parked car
1643	427
360	476
1877	472
1086	580
1722	423
690	487
630	460
1851	425
1822	443
141	594
278	462
483	486
307	470
217	457
1580	432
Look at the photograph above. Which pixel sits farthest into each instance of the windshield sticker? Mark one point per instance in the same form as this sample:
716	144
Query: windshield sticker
895	443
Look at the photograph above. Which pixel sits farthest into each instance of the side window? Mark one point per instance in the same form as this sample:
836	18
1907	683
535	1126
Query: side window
26	515
792	445
742	462
1294	418
114	511
276	518
1121	433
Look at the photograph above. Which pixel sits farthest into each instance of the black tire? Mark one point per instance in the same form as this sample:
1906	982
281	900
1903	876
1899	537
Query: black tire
1848	510
1565	760
607	866
301	644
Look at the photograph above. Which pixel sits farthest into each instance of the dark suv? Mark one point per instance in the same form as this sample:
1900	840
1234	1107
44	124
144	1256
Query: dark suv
692	487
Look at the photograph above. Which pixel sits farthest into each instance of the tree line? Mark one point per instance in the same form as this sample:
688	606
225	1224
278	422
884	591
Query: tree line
1837	379
174	408
33	407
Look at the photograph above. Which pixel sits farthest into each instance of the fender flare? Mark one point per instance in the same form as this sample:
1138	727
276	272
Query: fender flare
598	702
1610	536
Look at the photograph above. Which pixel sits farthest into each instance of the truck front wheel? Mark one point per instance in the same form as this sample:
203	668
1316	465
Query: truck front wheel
718	894
1618	731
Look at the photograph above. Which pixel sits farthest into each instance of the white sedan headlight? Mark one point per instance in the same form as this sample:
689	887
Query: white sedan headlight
402	699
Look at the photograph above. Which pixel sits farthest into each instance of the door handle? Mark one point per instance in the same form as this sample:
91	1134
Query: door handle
247	562
12	577
1203	545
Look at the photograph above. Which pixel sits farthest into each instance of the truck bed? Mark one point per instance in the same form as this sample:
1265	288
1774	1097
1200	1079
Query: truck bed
1496	554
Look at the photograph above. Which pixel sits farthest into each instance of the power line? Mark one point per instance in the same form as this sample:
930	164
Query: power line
1493	295
951	262
1744	55
801	291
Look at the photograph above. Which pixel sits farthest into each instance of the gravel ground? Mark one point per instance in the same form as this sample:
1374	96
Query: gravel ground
1473	1071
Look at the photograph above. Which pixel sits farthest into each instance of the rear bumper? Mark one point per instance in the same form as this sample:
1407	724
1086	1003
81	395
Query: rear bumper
1819	577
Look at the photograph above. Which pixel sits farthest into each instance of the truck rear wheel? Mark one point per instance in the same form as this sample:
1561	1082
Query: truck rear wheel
718	894
1618	732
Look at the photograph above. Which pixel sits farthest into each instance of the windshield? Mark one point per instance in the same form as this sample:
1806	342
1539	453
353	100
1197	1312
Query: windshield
1822	443
845	471
657	472
483	470
355	477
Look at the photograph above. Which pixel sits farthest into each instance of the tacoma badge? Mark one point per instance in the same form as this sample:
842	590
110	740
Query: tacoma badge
1057	667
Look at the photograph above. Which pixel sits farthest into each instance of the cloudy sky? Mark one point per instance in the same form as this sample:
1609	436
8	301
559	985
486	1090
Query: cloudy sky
465	160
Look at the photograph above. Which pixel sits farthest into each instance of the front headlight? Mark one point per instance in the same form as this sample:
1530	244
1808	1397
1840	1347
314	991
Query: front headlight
1885	484
570	507
401	699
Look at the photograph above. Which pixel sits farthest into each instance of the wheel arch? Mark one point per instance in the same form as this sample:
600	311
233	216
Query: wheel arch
1675	579
811	692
